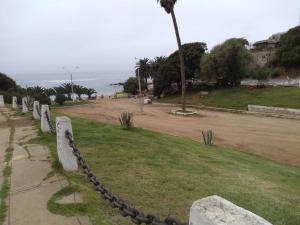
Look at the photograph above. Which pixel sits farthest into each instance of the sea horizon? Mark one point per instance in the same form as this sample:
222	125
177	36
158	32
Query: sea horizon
103	84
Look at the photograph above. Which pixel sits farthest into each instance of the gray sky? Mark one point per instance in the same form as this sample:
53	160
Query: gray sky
38	37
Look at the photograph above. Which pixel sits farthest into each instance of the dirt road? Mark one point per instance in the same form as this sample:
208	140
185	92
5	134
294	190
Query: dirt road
273	138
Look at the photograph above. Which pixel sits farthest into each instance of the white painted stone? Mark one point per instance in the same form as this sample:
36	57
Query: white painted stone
25	105
1	101
14	102
274	110
215	210
64	152
44	123
36	104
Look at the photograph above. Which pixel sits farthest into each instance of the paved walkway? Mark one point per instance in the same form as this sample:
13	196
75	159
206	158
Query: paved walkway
31	185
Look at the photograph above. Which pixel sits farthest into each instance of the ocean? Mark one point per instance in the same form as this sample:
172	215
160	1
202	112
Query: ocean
101	83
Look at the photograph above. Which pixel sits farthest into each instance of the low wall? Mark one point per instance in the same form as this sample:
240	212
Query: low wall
273	110
273	82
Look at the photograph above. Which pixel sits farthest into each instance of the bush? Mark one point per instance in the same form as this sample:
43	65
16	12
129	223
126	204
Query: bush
60	99
264	73
7	95
6	82
125	120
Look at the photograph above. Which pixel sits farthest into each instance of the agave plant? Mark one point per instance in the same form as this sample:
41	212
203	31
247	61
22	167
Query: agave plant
126	120
208	137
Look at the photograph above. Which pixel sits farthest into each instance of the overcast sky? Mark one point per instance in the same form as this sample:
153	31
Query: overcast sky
38	37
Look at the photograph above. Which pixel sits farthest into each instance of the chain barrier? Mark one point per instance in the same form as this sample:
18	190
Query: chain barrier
125	210
38	110
52	129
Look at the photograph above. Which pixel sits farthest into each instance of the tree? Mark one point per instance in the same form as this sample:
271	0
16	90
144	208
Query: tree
168	5
227	63
6	82
89	92
155	64
167	74
132	86
67	89
60	99
288	54
168	70
79	90
143	67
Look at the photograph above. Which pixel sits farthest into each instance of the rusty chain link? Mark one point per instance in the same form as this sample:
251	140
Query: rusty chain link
137	217
52	129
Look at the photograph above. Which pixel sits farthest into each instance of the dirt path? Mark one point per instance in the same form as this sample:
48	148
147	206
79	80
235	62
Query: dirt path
30	181
273	138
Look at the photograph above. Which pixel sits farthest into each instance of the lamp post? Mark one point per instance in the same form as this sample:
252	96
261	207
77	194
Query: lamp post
70	72
140	88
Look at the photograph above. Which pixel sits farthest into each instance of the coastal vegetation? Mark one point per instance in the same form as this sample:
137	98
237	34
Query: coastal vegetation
136	162
9	88
225	65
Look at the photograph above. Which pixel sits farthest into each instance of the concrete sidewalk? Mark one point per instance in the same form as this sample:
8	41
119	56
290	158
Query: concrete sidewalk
31	187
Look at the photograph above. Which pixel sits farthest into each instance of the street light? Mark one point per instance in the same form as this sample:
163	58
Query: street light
140	88
70	72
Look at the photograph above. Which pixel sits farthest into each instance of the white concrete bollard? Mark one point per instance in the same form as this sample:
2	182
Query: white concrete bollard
44	123
65	153
14	102
36	104
1	101
25	105
215	210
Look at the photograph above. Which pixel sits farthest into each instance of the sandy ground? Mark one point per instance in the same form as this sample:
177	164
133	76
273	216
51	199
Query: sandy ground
273	138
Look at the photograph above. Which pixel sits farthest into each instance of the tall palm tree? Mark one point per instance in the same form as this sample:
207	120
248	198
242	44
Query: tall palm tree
168	5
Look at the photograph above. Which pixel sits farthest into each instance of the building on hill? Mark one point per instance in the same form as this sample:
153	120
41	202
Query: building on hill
264	51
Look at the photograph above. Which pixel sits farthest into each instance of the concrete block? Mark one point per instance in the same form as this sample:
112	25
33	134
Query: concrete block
65	153
215	210
36	104
44	123
25	105
14	102
273	110
1	101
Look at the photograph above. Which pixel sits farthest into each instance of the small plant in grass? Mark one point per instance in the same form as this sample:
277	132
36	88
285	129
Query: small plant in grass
208	137
126	120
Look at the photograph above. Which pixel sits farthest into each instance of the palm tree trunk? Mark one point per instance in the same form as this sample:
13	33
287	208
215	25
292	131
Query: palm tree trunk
182	66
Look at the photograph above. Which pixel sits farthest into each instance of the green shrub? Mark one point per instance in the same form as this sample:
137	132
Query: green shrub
60	99
264	73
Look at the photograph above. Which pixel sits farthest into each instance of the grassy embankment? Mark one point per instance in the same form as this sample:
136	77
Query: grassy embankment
164	175
241	97
6	173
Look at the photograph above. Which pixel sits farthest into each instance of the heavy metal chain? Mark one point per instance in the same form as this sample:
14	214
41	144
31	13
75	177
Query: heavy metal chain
38	110
52	129
125	210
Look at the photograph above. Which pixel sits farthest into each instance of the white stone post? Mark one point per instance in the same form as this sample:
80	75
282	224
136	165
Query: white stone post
1	101
64	152
14	102
44	123
24	105
36	115
215	210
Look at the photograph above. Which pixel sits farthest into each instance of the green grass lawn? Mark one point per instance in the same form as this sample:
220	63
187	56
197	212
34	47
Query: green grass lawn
164	175
241	97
